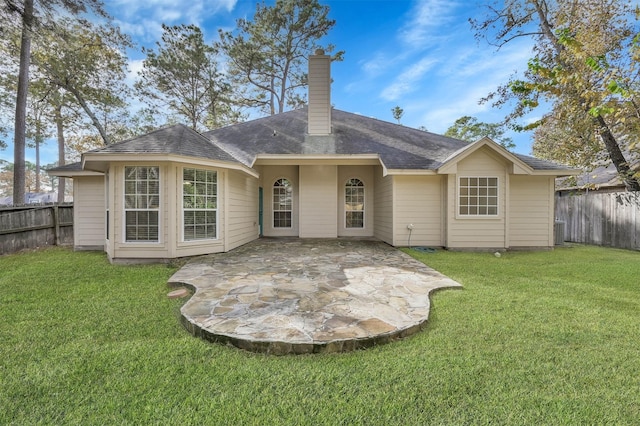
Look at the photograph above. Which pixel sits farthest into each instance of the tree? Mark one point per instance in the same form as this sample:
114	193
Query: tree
182	75
32	176
31	16
88	62
267	56
470	129
79	71
397	113
37	132
576	43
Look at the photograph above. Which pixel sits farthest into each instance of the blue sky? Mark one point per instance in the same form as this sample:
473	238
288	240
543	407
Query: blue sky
419	55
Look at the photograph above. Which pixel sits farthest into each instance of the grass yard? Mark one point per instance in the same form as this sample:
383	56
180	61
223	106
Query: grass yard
533	338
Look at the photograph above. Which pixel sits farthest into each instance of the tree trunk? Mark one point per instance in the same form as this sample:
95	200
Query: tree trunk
90	113
610	142
60	131
19	143
272	102
617	157
37	159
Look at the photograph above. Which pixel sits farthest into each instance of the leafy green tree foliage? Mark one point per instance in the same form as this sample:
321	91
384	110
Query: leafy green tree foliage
30	16
267	55
183	76
397	113
578	45
470	129
87	62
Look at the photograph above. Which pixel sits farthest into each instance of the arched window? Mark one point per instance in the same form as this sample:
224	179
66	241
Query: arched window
354	203
282	203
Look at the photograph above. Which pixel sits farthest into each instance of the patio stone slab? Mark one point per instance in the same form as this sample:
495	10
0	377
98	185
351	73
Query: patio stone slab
294	296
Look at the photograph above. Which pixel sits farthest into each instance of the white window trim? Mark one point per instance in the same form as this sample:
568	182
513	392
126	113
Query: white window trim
364	204
125	210
217	209
273	211
498	215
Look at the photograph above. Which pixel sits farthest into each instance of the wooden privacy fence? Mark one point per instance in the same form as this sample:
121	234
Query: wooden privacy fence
606	219
35	226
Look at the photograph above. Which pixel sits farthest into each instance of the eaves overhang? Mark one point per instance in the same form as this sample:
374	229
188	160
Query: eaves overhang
99	162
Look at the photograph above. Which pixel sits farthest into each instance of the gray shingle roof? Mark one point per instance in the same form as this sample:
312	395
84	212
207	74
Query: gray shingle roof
71	167
398	146
539	164
177	139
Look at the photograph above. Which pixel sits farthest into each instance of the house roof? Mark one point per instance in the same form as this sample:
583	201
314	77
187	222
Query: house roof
285	134
399	147
177	139
603	175
71	170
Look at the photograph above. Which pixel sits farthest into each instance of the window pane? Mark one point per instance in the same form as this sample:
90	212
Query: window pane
478	196
282	203
141	201
199	202
355	219
282	219
354	203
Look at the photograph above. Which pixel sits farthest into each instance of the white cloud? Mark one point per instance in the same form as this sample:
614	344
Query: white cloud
406	82
428	23
376	65
144	19
135	66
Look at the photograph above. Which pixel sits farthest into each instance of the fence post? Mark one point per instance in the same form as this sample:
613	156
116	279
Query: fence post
56	225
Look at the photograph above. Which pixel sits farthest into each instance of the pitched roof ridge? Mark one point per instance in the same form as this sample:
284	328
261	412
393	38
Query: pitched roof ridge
401	126
159	129
255	120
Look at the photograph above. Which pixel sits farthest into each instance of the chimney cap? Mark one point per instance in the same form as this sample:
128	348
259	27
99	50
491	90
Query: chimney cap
319	52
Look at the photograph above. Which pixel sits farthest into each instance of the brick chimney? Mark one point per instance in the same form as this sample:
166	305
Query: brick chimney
319	94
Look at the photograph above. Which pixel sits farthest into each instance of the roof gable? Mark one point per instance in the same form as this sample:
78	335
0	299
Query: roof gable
520	164
451	163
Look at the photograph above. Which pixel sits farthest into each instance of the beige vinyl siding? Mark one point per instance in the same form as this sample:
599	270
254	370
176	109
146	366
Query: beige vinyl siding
89	213
318	202
241	223
418	201
365	174
383	206
478	232
531	211
319	108
269	175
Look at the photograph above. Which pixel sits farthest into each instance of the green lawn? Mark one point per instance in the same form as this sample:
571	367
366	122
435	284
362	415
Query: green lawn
533	338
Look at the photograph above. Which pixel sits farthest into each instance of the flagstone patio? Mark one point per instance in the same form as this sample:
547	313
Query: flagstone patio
284	296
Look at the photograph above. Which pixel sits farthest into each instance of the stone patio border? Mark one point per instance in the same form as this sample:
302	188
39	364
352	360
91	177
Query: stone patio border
296	296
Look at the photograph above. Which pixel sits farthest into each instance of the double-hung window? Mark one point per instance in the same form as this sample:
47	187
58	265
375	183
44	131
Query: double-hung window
282	203
199	204
141	203
478	196
354	203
